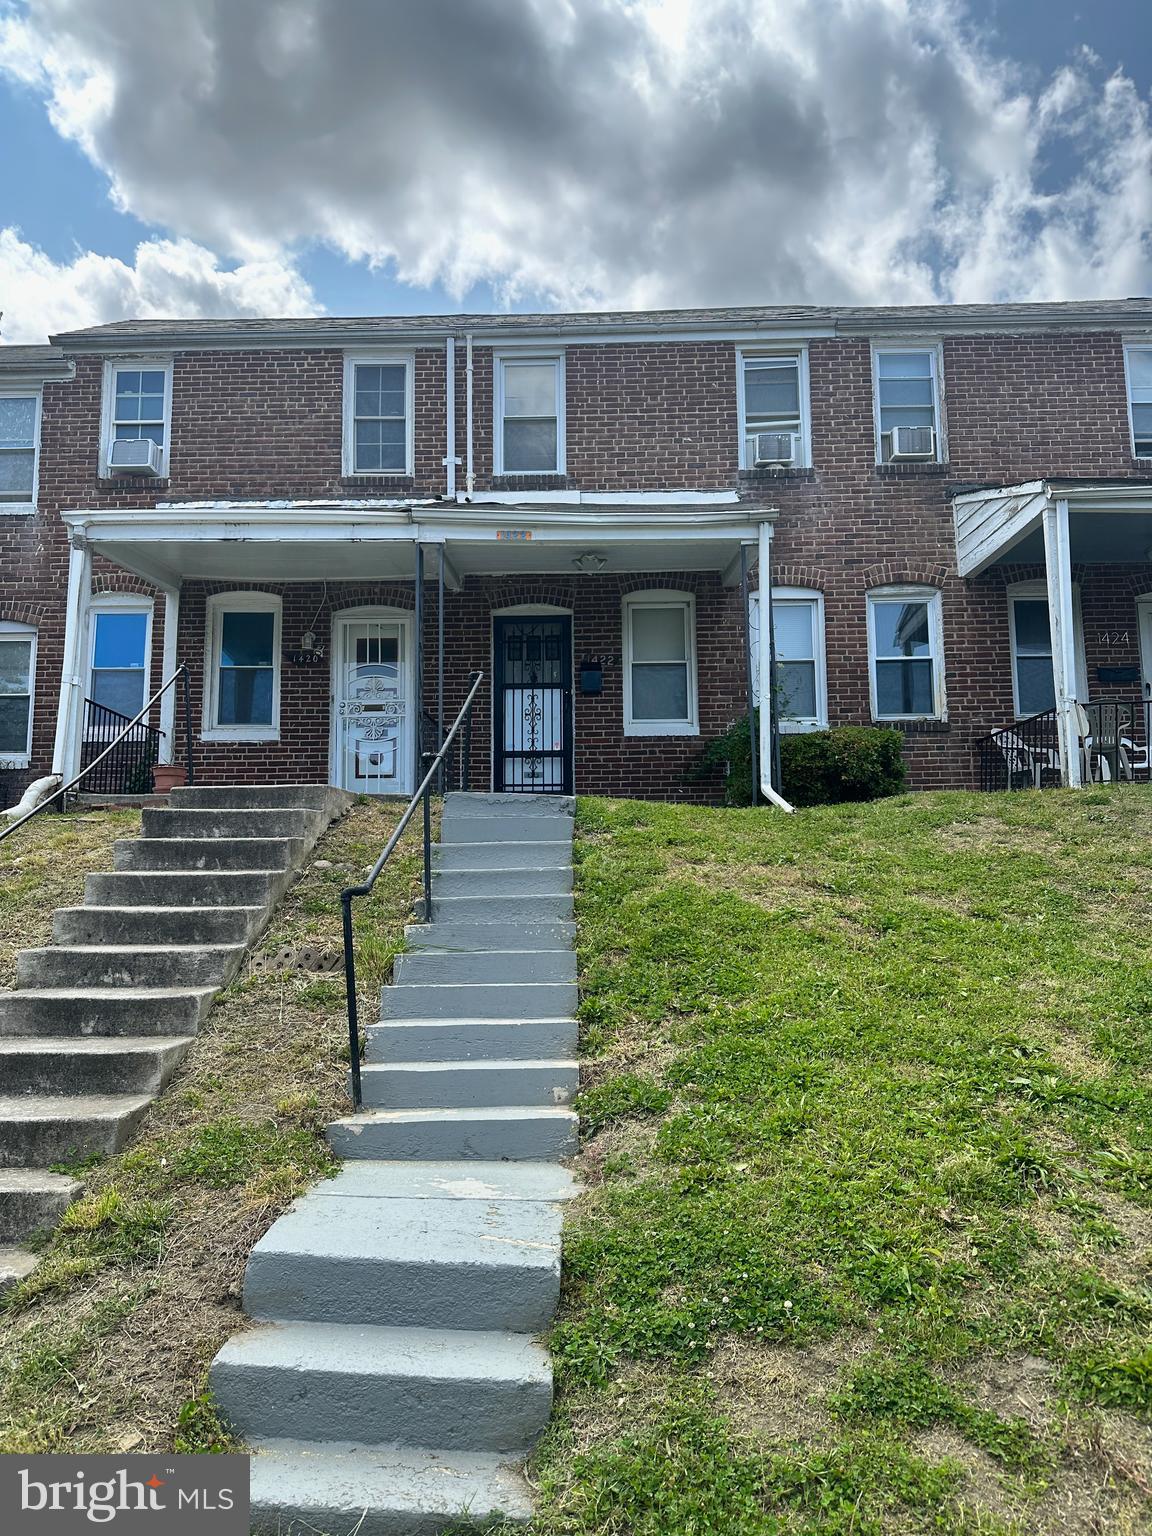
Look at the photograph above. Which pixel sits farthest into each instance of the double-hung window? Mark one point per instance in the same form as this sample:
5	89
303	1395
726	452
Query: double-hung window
529	425
17	674
905	651
1030	636
242	700
378	431
773	389
907	402
798	635
660	664
137	404
1139	361
19	451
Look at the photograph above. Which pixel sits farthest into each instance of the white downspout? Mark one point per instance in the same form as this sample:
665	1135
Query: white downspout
764	582
450	415
79	594
469	474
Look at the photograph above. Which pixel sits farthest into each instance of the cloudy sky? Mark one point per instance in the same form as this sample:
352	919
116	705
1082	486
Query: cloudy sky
226	157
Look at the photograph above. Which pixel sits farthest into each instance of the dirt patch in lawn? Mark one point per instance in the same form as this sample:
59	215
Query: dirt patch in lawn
779	1394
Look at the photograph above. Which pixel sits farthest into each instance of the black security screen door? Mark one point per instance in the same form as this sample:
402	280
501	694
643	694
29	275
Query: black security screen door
533	705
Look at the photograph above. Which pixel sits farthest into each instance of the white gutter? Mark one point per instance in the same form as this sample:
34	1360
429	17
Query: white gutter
764	581
470	476
450	416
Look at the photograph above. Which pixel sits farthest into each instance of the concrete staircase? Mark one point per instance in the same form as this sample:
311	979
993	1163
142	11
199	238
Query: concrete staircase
100	1020
394	1382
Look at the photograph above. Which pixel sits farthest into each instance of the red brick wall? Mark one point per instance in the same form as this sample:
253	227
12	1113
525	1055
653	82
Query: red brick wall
267	424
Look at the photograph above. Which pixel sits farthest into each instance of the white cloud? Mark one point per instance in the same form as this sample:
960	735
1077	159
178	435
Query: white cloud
610	152
167	278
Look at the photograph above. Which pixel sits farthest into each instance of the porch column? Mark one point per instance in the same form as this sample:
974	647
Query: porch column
1058	566
168	665
764	582
64	752
418	701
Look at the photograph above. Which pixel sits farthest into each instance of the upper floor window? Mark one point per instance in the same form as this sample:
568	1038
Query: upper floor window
378	429
17	674
1140	400
906	653
137	407
242	698
660	664
907	396
773	390
529	427
19	451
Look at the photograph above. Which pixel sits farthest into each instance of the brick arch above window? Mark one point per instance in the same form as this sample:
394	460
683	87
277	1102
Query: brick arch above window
32	614
813	577
515	592
109	582
905	573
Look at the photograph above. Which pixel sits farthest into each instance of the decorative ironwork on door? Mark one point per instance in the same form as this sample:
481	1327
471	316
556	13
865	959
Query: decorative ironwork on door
533	705
371	707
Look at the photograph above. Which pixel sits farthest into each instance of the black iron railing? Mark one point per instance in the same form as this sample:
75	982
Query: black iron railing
127	769
126	733
432	763
1113	737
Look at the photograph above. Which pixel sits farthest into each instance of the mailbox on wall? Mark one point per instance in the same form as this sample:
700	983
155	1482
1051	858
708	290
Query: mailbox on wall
591	675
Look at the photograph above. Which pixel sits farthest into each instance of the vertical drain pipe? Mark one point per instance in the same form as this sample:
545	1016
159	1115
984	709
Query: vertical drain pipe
470	476
750	692
418	690
450	420
767	670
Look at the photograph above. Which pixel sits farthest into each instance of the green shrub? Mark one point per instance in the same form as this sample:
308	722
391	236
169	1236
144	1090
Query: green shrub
851	762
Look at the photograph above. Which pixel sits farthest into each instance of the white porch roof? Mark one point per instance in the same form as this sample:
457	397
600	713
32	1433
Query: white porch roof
1106	522
376	539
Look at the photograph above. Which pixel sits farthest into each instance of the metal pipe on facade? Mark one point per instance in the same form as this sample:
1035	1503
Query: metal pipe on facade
418	701
470	475
749	689
767	670
450	417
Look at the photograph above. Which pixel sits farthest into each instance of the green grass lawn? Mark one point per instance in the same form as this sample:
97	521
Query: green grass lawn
867	1236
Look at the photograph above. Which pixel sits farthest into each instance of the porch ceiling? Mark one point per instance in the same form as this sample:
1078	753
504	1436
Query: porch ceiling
1104	538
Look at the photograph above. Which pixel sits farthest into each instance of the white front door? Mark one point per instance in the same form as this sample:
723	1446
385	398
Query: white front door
1144	618
372	703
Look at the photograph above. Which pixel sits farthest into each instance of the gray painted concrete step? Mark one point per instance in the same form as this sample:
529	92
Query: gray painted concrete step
365	1179
502	882
533	907
434	1040
157	925
440	936
299	1488
32	1199
142	965
520	1133
188	853
260	797
468	1084
409	1263
452	1389
493	803
497	829
36	1131
186	888
451	856
104	1010
200	823
480	1000
493	964
15	1265
43	1065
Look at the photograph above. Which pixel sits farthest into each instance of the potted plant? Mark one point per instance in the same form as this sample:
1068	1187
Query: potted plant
167	776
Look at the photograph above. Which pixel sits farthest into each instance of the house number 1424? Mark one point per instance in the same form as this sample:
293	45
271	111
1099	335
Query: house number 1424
1114	637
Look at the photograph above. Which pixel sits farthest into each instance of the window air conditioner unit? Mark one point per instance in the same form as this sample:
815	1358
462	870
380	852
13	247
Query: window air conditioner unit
770	448
913	442
135	456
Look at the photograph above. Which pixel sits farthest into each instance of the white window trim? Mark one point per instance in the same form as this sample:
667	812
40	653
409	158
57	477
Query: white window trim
661	598
750	354
108	407
1128	350
1031	591
498	361
353	360
9	629
239	602
910	593
815	598
119	602
26	508
935	351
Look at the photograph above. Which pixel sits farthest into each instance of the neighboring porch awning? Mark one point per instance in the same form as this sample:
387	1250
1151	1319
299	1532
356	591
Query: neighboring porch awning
1106	522
375	540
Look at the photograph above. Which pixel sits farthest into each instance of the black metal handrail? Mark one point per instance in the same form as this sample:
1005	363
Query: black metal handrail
431	762
180	675
128	771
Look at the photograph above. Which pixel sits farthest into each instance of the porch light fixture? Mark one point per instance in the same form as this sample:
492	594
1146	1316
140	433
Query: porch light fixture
590	562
